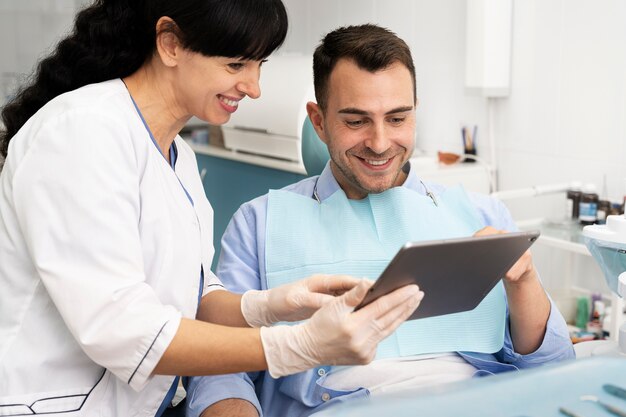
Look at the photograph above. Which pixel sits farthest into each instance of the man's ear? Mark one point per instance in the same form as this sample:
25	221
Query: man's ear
168	44
317	119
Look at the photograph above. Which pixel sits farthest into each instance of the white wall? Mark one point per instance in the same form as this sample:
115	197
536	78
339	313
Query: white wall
564	118
435	32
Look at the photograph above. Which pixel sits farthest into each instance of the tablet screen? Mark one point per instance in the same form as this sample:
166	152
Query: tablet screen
454	274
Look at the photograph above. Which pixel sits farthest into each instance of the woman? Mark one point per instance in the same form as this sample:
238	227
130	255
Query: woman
105	232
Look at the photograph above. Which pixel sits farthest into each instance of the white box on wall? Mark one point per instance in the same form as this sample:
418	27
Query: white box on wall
488	34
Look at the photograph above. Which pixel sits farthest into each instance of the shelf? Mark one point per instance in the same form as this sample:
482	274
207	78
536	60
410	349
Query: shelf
264	161
563	236
474	177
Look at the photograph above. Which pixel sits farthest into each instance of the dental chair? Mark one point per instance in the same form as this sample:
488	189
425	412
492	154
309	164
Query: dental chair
314	151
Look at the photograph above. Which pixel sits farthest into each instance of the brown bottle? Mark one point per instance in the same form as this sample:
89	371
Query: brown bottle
588	207
573	200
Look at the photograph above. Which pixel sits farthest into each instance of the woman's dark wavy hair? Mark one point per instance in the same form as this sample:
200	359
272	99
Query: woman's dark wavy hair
113	38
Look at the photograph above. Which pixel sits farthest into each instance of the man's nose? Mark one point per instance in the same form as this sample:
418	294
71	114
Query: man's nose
378	141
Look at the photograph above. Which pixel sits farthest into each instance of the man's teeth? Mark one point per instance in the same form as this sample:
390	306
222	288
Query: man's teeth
369	161
232	103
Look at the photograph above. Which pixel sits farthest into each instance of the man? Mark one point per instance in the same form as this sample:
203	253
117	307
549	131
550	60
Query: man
352	218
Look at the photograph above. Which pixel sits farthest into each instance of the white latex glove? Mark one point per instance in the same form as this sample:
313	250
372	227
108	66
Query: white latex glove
295	301
336	334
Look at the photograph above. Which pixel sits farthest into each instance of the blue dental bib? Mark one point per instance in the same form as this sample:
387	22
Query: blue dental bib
360	237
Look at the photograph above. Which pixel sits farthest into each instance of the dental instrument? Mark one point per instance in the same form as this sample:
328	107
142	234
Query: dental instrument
568	413
615	391
608	407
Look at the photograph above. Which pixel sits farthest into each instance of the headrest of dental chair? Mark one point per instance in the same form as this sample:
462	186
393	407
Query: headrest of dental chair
314	151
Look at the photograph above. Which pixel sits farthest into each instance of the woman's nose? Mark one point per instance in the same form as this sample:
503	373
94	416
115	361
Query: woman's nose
250	85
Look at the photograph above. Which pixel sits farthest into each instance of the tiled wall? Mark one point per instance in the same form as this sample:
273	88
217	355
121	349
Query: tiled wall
566	117
28	30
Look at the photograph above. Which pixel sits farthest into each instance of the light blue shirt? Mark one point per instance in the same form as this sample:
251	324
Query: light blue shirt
242	267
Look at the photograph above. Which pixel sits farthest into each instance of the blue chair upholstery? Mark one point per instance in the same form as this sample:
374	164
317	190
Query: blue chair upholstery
314	151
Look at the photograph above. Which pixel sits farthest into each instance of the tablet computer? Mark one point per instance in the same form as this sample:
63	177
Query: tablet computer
454	274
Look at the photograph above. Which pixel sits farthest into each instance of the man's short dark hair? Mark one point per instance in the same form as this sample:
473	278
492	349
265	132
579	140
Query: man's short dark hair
371	47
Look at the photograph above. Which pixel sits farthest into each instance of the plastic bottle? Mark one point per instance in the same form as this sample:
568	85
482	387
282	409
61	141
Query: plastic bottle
582	312
616	207
597	317
573	200
599	310
588	207
596	296
604	209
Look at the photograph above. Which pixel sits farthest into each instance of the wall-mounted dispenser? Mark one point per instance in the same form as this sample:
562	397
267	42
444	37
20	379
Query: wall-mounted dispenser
488	35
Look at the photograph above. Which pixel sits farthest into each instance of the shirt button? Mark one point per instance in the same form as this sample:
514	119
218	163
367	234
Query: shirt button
325	396
321	372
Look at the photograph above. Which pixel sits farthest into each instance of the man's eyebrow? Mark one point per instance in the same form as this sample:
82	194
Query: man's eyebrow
354	110
402	109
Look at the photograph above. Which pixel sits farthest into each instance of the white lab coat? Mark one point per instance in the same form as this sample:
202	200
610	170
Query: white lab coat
100	256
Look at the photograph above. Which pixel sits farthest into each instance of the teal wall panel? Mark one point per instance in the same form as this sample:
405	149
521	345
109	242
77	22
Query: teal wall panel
228	184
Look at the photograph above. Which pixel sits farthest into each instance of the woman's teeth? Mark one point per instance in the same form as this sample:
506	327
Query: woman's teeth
232	103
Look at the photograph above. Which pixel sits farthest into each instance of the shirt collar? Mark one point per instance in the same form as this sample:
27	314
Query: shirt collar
327	184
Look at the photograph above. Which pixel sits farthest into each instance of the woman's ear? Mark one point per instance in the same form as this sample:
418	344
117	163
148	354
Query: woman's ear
317	119
168	44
